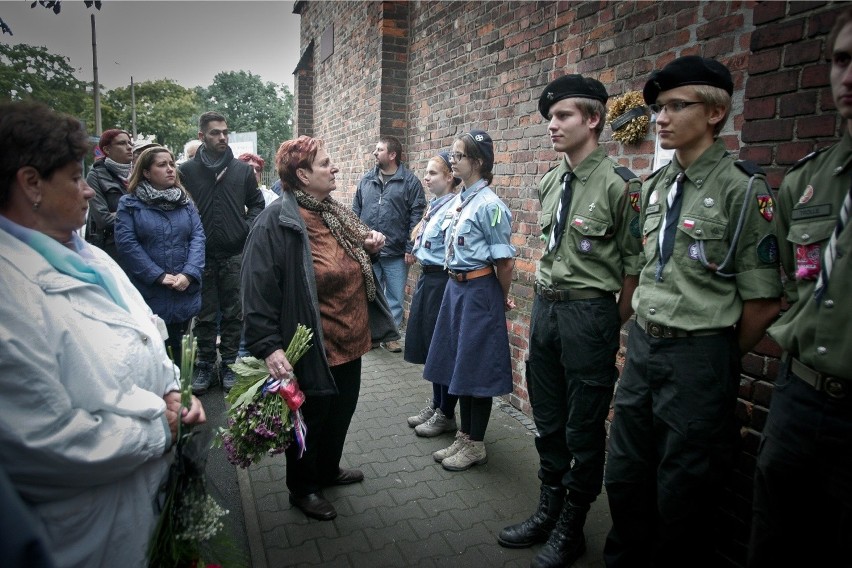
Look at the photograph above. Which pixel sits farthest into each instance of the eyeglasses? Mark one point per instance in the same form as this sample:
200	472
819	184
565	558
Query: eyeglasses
673	106
457	156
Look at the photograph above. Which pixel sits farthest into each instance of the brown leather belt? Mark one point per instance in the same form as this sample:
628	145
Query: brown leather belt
835	387
429	268
554	295
471	275
658	330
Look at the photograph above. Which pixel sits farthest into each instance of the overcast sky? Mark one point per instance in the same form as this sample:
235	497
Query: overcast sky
187	41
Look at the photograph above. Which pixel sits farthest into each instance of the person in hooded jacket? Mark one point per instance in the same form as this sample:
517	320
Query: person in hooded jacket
160	242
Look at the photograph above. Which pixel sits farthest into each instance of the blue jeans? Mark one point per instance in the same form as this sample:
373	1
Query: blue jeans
392	273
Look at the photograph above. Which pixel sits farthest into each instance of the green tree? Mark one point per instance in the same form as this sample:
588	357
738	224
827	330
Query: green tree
249	104
163	108
29	72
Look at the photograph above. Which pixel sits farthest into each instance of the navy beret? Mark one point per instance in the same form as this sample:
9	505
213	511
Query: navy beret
688	70
485	146
571	86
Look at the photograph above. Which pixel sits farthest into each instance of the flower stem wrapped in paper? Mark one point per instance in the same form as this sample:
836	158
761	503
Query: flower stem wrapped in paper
264	417
189	516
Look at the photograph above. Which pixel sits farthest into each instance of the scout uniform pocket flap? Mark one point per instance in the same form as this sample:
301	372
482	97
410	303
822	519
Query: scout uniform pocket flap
588	226
651	223
811	231
702	229
546	221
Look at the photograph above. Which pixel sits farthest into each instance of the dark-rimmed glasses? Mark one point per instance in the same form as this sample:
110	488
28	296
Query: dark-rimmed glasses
672	107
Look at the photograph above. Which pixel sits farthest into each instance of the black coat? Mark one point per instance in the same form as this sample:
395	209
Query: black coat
227	206
102	207
278	291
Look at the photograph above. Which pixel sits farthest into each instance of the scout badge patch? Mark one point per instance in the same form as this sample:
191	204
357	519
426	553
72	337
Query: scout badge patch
766	206
693	251
634	200
806	195
584	246
807	261
767	249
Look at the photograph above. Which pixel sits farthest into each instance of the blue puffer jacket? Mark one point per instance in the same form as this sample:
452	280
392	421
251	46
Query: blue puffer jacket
152	242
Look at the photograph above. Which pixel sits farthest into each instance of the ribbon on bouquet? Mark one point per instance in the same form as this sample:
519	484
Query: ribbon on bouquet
289	390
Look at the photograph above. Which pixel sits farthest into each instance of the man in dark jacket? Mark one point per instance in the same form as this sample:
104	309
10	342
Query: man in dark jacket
225	191
390	200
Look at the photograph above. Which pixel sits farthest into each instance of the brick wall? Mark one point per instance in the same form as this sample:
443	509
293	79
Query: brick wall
429	71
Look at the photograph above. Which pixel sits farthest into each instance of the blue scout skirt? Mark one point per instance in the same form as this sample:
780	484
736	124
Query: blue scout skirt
425	305
470	348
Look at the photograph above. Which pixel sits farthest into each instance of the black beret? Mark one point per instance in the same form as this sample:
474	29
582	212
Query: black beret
485	146
569	86
688	70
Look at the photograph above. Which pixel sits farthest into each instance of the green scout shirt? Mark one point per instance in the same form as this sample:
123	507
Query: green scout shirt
690	296
598	247
809	201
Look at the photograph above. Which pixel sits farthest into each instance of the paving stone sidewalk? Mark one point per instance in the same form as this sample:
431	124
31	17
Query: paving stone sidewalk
408	511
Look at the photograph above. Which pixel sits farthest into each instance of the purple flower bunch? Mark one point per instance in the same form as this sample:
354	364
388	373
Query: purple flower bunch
259	428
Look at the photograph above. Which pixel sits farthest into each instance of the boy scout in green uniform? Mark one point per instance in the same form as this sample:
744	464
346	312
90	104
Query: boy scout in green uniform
707	291
803	484
590	228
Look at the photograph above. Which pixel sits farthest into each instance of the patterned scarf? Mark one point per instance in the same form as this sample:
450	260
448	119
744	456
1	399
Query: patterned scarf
165	199
121	171
347	229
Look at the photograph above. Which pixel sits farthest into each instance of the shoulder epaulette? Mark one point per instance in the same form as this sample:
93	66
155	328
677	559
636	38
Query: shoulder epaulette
655	172
625	173
806	159
749	167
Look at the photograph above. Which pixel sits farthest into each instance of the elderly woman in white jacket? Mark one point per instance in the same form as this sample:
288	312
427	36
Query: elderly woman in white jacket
89	406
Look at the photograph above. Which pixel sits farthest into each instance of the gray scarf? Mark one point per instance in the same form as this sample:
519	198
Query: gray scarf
165	199
211	162
347	229
121	171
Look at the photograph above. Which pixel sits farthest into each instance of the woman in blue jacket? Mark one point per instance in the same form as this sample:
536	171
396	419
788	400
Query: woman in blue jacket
160	242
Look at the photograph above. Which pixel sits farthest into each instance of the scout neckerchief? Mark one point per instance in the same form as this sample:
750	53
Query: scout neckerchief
831	250
472	192
434	207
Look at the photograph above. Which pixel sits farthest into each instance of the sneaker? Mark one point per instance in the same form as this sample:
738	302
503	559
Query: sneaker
461	440
473	453
392	346
229	378
205	375
437	424
422	416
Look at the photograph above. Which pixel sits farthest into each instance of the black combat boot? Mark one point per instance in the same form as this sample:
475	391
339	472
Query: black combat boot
537	528
567	542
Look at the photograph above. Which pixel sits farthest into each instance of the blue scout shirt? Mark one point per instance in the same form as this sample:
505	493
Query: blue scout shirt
430	248
478	229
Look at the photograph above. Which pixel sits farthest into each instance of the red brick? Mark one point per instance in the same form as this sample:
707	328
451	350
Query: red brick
798	104
799	7
720	26
764	61
762	393
753	364
802	52
819	24
789	153
826	100
777	34
759	154
718	46
772	83
767	11
746	387
759	108
815	75
816	126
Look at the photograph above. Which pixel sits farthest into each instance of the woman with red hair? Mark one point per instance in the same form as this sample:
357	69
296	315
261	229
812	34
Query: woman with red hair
108	177
307	260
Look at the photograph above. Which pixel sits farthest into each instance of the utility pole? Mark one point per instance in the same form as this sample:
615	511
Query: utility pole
133	106
97	86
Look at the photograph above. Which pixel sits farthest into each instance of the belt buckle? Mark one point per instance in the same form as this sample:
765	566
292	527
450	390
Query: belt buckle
834	387
654	330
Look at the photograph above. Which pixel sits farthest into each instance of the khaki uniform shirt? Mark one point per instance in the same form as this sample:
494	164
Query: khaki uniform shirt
690	296
809	201
602	241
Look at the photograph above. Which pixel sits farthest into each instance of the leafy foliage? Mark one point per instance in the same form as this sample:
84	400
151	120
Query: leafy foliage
163	108
249	104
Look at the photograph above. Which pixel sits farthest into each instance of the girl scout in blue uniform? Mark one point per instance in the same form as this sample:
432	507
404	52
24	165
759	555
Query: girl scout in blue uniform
470	347
429	248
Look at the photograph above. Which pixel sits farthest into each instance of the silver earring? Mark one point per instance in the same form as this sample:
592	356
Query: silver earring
36	205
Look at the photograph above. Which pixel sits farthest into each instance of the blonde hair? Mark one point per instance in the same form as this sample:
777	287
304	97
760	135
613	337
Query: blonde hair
589	108
714	96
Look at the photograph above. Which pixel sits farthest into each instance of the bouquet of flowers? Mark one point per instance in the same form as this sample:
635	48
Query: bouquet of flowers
264	417
188	514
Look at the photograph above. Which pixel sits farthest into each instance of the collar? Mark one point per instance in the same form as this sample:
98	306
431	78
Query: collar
702	167
585	168
845	149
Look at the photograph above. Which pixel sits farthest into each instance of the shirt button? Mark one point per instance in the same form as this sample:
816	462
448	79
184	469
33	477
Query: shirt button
829	303
558	257
821	350
806	237
838	169
698	231
652	311
144	339
699	181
